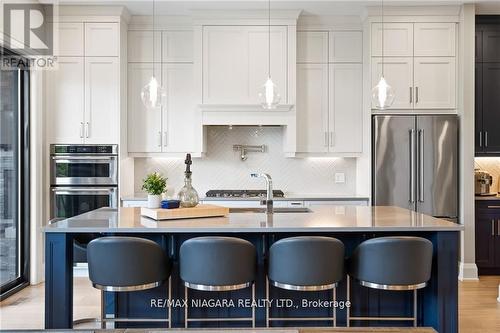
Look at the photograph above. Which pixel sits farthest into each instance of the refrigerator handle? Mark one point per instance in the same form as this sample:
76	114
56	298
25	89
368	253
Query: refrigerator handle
421	165
412	165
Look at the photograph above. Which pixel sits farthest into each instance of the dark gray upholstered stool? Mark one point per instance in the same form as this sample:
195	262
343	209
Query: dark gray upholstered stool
391	263
306	263
123	264
217	264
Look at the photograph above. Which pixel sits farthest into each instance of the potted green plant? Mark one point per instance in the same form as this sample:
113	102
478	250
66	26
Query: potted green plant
154	184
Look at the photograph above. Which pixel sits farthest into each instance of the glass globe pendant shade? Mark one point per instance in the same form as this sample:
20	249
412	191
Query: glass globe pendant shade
269	97
152	94
383	95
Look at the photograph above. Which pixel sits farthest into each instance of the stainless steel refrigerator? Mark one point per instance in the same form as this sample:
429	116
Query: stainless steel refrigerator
415	163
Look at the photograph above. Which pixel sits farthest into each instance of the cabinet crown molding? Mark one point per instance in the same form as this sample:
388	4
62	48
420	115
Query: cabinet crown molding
77	13
245	17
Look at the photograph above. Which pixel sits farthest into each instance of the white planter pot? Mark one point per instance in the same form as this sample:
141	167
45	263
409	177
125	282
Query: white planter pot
154	201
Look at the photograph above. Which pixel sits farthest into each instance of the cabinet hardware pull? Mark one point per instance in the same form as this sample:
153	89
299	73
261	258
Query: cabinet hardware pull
421	165
331	139
412	165
326	139
411	95
87	130
493	227
486	138
416	94
498	227
159	139
81	129
165	139
480	138
493	207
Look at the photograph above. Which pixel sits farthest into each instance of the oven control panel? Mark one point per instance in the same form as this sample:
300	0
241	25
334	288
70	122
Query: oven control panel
84	149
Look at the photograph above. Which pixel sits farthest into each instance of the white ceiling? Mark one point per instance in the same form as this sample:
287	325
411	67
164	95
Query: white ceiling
323	7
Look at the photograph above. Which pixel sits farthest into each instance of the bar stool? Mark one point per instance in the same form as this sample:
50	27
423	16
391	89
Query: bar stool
305	263
391	263
124	264
217	264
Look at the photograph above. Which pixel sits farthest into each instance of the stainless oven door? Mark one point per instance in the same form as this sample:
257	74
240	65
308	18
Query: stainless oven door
67	202
84	170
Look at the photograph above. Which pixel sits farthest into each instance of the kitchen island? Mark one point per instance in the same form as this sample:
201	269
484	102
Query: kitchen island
437	303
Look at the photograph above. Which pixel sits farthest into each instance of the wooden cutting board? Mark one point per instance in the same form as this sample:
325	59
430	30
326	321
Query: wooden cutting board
185	213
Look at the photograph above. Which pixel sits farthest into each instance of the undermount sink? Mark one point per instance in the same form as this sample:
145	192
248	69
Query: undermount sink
276	210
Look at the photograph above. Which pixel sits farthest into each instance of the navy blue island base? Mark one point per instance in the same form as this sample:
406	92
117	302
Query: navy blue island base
437	303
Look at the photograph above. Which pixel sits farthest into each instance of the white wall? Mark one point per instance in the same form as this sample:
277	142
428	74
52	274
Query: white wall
222	168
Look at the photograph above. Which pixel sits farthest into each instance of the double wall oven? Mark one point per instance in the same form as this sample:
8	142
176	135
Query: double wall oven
82	178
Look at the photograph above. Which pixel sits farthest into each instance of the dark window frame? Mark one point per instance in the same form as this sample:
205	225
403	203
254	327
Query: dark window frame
24	194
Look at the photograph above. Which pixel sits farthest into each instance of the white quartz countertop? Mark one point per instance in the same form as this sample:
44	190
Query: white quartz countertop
321	219
288	197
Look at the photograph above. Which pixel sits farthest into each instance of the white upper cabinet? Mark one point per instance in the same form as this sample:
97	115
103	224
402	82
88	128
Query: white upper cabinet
398	39
140	46
177	46
435	83
102	93
181	127
434	39
312	47
399	75
235	63
312	108
65	102
346	108
346	46
102	39
70	40
144	125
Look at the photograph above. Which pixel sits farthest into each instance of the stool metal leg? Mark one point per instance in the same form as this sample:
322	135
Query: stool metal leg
169	305
253	305
415	308
103	311
267	302
334	310
186	307
348	300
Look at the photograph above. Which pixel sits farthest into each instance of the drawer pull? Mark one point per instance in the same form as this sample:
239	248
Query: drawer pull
493	207
498	227
493	227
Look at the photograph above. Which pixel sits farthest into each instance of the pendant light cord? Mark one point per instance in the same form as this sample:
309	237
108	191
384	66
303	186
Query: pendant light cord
269	37
383	32
154	38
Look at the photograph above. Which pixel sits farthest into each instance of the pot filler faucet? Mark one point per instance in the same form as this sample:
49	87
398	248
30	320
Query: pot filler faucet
269	196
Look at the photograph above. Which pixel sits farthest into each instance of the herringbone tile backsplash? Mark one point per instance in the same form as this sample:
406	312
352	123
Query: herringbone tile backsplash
222	168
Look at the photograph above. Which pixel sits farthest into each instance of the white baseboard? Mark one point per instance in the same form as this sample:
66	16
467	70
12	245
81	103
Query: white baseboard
81	270
467	272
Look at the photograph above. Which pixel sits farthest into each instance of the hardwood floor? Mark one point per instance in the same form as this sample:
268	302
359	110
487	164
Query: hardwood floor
479	310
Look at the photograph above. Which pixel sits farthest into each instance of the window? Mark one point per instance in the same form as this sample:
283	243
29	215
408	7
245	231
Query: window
14	178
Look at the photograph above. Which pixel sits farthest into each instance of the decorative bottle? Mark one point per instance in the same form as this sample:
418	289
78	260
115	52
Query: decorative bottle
188	195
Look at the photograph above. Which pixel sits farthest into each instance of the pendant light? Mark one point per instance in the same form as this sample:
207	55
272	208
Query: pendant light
152	94
383	94
269	97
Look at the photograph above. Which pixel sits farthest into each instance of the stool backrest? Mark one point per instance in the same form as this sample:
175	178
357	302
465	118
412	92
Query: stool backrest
126	262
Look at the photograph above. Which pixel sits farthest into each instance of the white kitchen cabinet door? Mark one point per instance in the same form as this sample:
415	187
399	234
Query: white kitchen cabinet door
102	39
235	63
398	39
102	95
312	47
64	91
346	108
140	46
312	108
144	125
70	40
346	46
399	75
181	127
434	39
435	83
177	46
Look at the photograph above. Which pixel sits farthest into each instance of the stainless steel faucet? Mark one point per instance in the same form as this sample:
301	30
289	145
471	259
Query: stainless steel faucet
269	195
